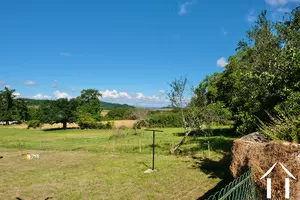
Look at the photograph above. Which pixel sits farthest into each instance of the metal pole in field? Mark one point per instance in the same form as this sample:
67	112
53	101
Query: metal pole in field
153	145
153	152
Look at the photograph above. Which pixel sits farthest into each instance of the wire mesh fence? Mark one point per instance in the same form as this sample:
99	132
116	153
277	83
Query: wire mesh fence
242	188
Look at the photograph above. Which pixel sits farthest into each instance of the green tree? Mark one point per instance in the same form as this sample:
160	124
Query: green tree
11	109
59	111
263	73
89	103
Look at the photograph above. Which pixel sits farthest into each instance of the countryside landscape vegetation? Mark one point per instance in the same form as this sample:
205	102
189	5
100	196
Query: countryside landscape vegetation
92	149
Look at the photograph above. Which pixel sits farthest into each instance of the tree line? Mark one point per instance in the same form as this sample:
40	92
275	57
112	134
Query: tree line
262	79
82	109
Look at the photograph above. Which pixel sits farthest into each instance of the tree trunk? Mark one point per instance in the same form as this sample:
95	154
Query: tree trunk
182	141
64	125
7	123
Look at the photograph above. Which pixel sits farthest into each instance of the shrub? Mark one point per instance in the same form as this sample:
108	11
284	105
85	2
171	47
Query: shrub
285	128
117	114
164	120
34	124
139	124
90	123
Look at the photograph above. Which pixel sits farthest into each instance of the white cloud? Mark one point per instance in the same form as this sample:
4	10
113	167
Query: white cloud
17	94
139	95
66	54
6	86
57	94
183	8
138	99
221	62
280	2
41	96
110	94
54	84
125	95
72	89
251	16
30	83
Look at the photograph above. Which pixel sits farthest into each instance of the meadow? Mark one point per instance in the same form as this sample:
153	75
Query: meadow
109	164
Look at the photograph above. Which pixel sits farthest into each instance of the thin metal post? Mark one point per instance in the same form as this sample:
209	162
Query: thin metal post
153	150
153	145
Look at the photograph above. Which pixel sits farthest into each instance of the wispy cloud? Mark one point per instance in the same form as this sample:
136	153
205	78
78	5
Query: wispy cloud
283	10
138	98
183	8
54	84
280	2
221	62
30	83
41	96
57	94
65	54
251	17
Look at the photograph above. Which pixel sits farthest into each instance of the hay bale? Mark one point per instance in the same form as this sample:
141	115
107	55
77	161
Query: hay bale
260	156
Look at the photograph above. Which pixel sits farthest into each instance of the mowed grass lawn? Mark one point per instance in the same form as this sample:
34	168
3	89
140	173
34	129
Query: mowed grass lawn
101	164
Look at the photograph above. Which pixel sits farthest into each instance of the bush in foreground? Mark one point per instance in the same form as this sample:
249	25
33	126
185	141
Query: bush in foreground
34	124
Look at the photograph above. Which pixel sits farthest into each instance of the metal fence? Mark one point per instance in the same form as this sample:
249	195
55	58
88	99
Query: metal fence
242	188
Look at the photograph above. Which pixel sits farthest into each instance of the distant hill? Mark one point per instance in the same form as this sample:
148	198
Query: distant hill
108	106
104	105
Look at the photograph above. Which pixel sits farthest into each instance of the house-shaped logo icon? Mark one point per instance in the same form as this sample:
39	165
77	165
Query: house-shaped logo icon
287	181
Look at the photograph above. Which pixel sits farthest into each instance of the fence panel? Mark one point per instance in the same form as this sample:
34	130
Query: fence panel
242	188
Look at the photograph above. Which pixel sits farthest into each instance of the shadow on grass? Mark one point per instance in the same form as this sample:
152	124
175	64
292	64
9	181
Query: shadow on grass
227	132
56	129
215	169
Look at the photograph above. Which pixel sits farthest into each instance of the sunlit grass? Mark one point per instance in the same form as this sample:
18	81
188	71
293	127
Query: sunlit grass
104	164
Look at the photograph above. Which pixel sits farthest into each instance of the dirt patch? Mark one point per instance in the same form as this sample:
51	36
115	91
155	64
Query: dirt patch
126	123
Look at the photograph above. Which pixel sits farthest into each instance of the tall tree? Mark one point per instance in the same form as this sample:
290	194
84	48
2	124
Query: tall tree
264	72
11	109
59	111
89	103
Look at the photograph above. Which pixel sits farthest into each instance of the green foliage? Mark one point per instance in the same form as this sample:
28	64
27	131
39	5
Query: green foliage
290	105
109	106
11	109
117	114
89	103
140	124
34	124
286	127
34	113
262	77
59	111
164	120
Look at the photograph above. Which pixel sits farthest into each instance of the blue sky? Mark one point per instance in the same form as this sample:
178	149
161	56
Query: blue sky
127	49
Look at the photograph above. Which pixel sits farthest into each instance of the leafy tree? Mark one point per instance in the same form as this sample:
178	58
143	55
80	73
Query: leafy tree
89	103
11	109
117	113
59	111
263	73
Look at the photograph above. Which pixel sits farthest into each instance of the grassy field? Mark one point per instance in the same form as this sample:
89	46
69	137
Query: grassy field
108	164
